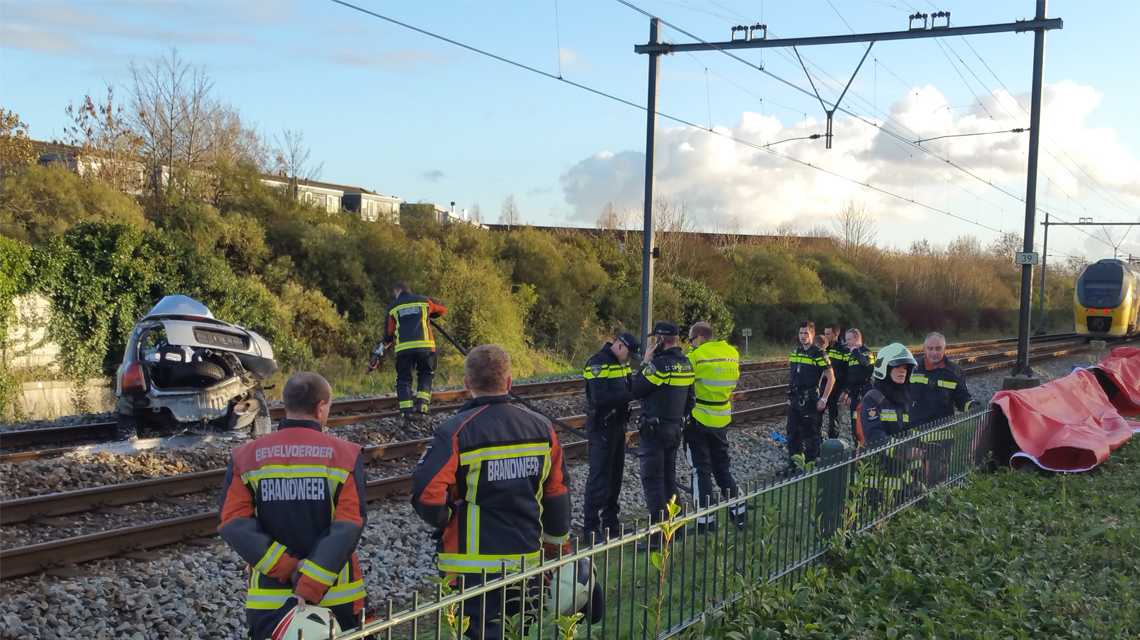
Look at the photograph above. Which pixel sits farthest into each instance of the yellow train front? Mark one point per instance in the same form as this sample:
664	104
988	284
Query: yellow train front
1107	299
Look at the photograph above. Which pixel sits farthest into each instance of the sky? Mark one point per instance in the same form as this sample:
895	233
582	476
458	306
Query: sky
404	114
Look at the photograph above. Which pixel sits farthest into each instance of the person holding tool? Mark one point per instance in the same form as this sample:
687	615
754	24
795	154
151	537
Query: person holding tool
716	365
409	327
664	386
609	393
808	364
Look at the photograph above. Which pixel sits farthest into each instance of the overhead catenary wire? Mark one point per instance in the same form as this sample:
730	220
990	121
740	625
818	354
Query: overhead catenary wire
723	134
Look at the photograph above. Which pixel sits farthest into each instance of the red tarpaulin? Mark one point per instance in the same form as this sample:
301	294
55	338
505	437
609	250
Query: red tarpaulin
1122	367
1069	424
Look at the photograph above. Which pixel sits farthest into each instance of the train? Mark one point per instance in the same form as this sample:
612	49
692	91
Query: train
1107	300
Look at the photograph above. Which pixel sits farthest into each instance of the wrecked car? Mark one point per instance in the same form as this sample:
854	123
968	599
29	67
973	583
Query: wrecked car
183	368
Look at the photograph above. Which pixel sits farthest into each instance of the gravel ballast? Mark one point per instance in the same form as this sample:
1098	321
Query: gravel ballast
198	592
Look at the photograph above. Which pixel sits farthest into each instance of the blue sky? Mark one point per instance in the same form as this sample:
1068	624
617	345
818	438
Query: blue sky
404	114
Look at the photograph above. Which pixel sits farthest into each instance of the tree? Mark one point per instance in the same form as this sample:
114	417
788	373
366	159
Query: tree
854	228
292	159
510	215
108	147
476	214
15	145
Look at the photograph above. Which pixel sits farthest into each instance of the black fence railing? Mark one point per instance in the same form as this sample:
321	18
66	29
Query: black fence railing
653	582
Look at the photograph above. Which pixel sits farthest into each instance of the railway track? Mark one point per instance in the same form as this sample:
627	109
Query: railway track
35	558
23	445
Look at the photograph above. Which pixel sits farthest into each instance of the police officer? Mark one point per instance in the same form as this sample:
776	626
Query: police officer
492	483
837	353
409	328
938	386
860	365
293	506
716	365
808	364
883	414
664	386
609	392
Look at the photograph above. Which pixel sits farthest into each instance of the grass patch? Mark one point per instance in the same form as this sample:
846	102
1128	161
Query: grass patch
1012	555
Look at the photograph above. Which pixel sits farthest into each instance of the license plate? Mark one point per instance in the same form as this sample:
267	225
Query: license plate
222	340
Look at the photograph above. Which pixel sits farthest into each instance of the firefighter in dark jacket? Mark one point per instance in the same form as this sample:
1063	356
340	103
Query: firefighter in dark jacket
609	392
808	365
938	386
293	506
836	352
664	386
492	483
860	366
883	414
409	328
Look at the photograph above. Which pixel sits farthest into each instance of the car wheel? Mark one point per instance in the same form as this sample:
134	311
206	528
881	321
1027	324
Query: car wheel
193	373
262	424
126	427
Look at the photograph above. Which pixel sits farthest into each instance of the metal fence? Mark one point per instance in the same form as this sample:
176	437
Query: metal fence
771	531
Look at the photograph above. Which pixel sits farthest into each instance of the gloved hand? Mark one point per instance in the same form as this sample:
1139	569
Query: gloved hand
372	363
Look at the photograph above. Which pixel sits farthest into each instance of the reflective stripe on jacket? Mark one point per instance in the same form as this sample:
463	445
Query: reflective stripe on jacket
806	368
295	499
716	366
408	322
492	483
860	366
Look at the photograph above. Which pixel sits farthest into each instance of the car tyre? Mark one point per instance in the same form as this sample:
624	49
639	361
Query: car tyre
194	373
262	424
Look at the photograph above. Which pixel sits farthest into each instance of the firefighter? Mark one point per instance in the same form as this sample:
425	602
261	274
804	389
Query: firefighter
716	365
884	413
409	327
808	365
938	386
664	386
609	385
293	506
837	353
860	366
492	483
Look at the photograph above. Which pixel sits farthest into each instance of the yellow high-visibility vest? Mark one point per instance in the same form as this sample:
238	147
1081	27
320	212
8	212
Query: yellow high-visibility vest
717	369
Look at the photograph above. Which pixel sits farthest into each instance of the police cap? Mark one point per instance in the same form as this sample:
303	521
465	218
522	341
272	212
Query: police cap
632	343
665	329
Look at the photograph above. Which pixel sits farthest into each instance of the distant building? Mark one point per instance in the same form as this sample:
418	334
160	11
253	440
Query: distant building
438	213
372	206
333	197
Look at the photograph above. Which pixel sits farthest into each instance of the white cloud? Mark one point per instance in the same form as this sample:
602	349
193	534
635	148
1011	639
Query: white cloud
573	61
720	179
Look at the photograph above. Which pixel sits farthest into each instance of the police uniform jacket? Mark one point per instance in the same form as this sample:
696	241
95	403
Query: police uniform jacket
665	387
609	388
860	366
806	369
408	325
837	353
295	499
716	365
935	392
492	483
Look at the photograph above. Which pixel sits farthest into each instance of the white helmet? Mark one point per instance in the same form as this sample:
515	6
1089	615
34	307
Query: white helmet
311	623
570	587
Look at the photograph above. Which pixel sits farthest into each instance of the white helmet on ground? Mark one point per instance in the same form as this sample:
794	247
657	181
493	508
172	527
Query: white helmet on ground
570	587
311	623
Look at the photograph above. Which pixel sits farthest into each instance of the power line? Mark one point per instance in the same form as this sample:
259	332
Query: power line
603	94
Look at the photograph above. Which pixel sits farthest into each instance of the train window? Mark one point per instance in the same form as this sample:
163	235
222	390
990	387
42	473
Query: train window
1101	288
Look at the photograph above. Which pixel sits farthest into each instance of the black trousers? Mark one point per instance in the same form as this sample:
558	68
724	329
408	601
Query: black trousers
658	456
804	425
834	411
423	363
603	484
707	450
